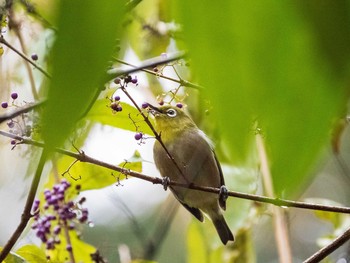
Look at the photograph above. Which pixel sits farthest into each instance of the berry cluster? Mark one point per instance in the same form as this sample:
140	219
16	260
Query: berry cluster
123	81
58	213
5	104
115	104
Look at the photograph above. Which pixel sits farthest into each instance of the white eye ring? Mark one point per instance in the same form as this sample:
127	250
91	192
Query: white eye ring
171	113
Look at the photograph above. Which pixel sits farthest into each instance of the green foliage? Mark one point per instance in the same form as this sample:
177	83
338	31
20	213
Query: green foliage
32	254
260	63
90	29
81	250
101	113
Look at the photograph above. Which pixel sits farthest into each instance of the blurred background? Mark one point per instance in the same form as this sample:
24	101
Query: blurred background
278	71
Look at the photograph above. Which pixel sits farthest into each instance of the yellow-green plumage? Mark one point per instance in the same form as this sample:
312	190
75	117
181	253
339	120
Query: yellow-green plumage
194	155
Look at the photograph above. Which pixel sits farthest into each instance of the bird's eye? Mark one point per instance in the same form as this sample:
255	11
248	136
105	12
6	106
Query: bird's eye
171	113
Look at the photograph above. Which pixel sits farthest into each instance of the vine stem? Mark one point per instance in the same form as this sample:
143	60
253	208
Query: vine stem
156	134
278	215
3	41
82	157
327	250
181	81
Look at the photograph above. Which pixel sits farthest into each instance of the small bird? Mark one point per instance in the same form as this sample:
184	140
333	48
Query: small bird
192	151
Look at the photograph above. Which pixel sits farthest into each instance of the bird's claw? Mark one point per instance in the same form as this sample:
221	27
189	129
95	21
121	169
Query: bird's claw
165	182
223	194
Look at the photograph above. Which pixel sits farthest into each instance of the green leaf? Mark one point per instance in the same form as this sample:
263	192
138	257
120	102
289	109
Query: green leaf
82	251
13	258
102	113
86	36
258	61
196	247
32	254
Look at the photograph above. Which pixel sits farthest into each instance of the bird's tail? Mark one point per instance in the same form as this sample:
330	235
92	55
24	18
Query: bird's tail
223	229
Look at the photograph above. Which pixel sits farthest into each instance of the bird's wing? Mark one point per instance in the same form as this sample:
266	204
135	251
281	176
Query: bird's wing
194	211
222	201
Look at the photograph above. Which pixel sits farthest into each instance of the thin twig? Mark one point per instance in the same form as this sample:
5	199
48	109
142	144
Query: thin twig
26	215
157	180
3	41
151	63
279	219
17	30
181	81
327	250
20	111
156	134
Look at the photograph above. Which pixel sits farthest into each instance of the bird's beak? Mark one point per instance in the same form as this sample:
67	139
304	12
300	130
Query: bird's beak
154	110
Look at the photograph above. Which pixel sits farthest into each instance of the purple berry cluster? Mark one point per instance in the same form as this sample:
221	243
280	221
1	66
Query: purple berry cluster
58	213
5	104
115	104
123	81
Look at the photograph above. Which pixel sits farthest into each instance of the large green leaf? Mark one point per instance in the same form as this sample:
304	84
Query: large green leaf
125	119
32	254
260	61
86	36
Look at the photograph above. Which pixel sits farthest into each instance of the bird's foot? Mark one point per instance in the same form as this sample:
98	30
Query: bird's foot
223	194
165	182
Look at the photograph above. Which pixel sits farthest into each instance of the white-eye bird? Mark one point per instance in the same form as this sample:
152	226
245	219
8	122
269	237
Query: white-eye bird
195	157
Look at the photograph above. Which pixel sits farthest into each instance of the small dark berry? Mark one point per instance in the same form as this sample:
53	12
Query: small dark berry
114	106
82	200
117	81
134	80
161	103
155	69
128	79
138	136
14	95
13	142
144	105
4	105
119	108
69	247
179	105
78	187
117	98
11	124
34	57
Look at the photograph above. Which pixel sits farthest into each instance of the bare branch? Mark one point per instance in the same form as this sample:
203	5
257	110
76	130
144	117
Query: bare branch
327	250
156	180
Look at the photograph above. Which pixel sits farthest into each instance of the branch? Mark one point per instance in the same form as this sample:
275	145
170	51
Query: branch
151	63
22	110
3	41
26	215
156	134
327	250
181	81
156	180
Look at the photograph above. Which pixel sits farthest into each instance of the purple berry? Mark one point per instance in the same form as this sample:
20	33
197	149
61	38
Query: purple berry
117	98
119	108
34	57
138	136
57	230
14	95
144	105
161	102
4	105
179	105
11	124
134	80
69	247
128	79
13	142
